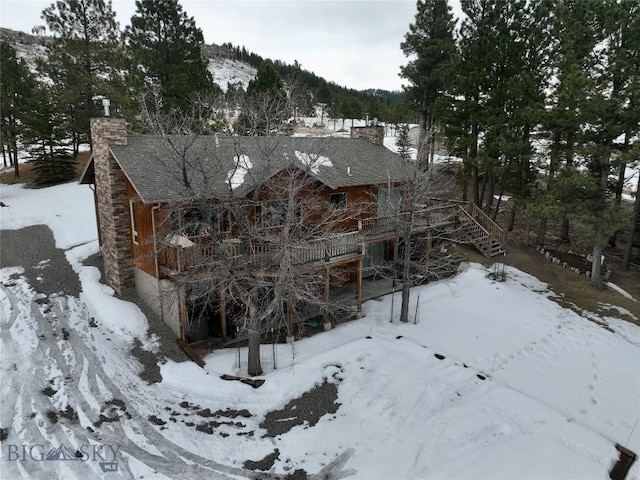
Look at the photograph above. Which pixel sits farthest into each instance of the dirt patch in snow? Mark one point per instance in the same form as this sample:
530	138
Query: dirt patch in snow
149	361
307	409
265	464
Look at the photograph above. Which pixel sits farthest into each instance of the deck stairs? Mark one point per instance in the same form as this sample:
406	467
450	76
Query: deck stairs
476	228
482	232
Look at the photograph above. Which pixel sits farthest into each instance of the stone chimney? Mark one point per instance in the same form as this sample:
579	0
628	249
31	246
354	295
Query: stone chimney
374	133
113	204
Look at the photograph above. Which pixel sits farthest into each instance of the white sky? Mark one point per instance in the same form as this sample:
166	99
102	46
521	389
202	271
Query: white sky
354	43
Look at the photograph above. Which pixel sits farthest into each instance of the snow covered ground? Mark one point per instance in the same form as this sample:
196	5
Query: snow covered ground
525	388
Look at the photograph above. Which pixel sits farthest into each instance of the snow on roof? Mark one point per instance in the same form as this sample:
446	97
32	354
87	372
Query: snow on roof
313	161
235	177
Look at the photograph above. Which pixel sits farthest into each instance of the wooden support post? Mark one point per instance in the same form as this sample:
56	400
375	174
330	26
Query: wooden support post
182	313
223	311
325	314
359	287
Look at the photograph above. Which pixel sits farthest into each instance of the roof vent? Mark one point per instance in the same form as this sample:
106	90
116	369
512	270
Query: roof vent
349	171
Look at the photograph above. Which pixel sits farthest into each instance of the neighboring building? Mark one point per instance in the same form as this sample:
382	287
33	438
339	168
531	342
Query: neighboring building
153	237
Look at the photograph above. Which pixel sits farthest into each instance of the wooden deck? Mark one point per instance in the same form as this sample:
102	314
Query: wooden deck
475	227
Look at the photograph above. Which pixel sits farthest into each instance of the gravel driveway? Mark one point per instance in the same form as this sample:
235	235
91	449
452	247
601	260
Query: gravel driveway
45	266
67	381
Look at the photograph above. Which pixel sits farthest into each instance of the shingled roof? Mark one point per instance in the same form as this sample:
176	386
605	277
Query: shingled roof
153	164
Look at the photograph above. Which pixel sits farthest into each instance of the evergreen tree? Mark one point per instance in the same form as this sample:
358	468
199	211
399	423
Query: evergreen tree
403	142
266	107
324	95
431	47
166	52
267	80
611	109
47	137
498	94
84	59
16	84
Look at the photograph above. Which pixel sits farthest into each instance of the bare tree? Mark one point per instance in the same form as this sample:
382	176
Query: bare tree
257	246
408	200
257	226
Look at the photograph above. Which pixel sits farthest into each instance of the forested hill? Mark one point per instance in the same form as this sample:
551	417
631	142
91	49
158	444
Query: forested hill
230	64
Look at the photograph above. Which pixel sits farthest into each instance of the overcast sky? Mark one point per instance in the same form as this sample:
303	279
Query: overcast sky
354	43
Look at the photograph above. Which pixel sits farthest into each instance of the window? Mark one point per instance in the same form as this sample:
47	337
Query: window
338	201
219	220
192	222
389	201
225	221
174	220
134	225
258	216
275	213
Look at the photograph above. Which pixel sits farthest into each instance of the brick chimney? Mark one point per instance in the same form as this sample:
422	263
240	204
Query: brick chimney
374	133
113	205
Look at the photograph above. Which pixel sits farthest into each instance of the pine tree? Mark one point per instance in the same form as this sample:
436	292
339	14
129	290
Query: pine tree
403	142
431	47
16	85
610	109
84	59
47	137
166	52
267	80
266	107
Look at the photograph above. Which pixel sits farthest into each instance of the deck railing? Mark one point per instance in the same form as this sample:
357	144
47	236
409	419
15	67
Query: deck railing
203	249
432	216
180	259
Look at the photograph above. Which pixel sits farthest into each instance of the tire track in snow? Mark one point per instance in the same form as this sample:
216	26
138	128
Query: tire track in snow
76	370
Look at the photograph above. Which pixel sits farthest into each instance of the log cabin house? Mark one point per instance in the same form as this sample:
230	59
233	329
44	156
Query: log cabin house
153	237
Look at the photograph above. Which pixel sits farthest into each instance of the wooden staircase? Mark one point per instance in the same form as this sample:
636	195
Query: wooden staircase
477	228
481	231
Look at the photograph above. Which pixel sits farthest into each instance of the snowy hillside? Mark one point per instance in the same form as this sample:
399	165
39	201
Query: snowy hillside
226	70
223	69
28	47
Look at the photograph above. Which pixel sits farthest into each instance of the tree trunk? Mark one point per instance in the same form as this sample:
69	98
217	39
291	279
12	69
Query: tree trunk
564	233
16	165
503	181
542	232
424	135
474	158
596	266
253	361
484	187
406	282
465	183
526	232
620	183
626	260
492	191
512	218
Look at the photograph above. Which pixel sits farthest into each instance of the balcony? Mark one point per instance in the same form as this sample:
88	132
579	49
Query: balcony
181	255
